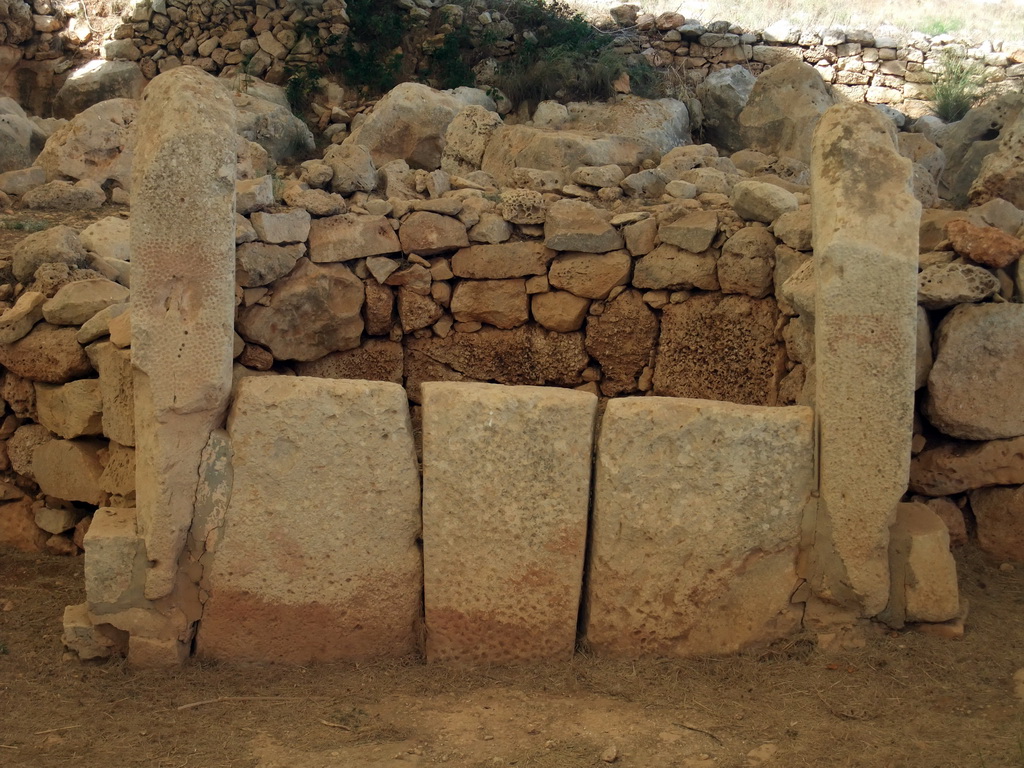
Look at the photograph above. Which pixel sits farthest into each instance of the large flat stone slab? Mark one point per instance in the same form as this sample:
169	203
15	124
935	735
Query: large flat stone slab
696	524
506	485
318	558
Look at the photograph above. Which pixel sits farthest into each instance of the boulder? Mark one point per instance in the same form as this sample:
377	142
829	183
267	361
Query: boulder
410	123
16	322
999	513
351	236
670	267
953	467
15	139
47	353
559	311
974	390
967	143
1001	176
70	410
97	144
661	123
466	139
946	285
988	246
352	167
425	234
258	264
574	225
723	95
287	226
98	81
272	126
312	311
761	201
70	470
622	339
84	194
21	181
783	109
77	302
590	275
108	238
501	303
693	232
496	262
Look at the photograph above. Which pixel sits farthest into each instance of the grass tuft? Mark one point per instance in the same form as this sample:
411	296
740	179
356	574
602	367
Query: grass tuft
959	86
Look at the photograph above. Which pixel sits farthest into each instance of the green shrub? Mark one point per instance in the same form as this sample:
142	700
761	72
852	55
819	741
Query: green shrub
449	63
367	57
302	83
958	87
935	26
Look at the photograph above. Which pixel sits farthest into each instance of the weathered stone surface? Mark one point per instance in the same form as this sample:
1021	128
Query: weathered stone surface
503	560
97	144
70	470
18	527
497	262
47	353
866	224
574	225
761	201
374	360
967	143
16	322
118	478
336	576
999	513
117	390
19	394
312	311
660	123
85	194
98	81
352	169
291	226
417	311
559	310
378	308
747	263
524	355
21	180
589	275
183	288
673	268
55	520
696	525
974	388
621	339
794	228
501	303
77	302
258	264
351	236
83	638
70	410
952	467
946	285
115	561
923	357
410	122
985	245
21	447
271	125
108	238
1000	174
425	233
723	95
720	348
924	586
466	139
693	232
783	109
59	244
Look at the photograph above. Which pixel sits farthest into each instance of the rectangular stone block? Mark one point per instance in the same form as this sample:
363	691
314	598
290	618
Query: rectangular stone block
317	558
117	390
506	485
698	507
115	562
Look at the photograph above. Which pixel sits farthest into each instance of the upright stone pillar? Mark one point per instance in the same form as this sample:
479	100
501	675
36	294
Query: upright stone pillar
183	263
866	223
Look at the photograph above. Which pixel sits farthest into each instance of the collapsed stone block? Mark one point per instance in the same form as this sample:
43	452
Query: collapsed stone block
506	481
698	507
317	559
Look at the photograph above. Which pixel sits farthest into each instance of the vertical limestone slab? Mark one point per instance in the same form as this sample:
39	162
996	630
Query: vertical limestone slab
183	261
698	507
506	486
866	223
316	558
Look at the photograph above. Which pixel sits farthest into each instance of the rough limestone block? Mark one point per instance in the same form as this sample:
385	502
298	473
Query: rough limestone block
866	223
117	390
506	481
70	470
696	525
924	586
999	513
83	638
70	410
317	559
115	562
183	308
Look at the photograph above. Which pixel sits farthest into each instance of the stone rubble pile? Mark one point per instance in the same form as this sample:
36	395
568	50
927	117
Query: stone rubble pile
438	243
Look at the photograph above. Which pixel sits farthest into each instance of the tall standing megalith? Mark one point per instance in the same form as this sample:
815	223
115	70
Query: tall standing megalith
182	304
866	222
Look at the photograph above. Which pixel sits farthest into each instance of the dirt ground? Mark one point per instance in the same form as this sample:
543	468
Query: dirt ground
904	700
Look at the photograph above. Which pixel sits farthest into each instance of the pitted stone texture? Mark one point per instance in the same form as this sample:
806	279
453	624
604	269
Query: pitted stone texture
503	559
466	139
559	310
332	575
18	527
718	347
621	339
98	143
985	245
590	275
696	525
524	355
374	360
70	410
351	236
259	264
954	466
16	322
22	445
60	244
183	289
109	238
974	388
761	201
70	470
118	478
945	285
747	263
117	390
866	223
999	513
924	586
47	353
